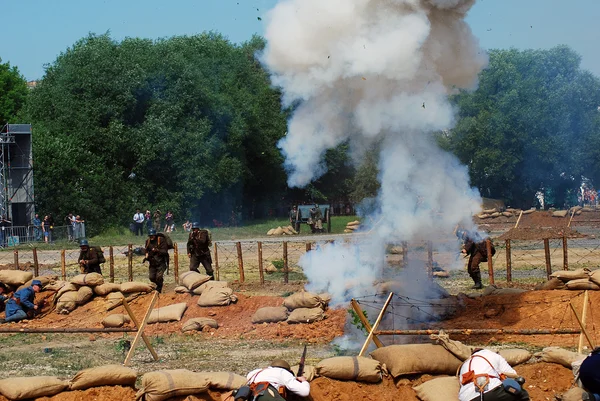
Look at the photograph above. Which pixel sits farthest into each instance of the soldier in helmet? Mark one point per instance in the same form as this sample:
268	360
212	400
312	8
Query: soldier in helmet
89	259
475	247
198	249
278	379
157	255
318	219
21	302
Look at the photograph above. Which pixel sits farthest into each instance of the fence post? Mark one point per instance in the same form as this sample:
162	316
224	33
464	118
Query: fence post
111	264
216	263
63	265
176	262
130	261
429	259
16	257
238	245
36	266
547	254
508	262
308	247
565	253
488	244
405	253
260	264
285	263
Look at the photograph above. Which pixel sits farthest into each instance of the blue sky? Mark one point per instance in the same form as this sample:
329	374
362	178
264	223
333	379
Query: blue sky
34	32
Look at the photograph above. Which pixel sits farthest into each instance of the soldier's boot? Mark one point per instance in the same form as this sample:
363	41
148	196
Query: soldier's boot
476	276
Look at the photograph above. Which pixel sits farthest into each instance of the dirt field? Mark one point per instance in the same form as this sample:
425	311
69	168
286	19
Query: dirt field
239	346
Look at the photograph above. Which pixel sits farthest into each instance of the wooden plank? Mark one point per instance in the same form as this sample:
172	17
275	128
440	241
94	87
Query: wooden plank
137	326
63	265
365	322
176	262
140	330
286	273
488	244
111	264
216	262
508	262
260	263
565	254
372	332
130	261
547	256
583	330
36	265
429	259
583	320
238	245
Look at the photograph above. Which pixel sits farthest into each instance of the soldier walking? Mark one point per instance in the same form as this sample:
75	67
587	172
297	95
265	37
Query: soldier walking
476	248
157	255
198	249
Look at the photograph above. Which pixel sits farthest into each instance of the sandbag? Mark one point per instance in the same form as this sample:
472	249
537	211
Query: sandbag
310	372
515	356
66	288
287	231
106	288
135	286
108	375
180	289
595	277
507	214
216	296
89	279
355	368
490	211
552	284
346	231
560	213
270	314
167	313
566	275
22	388
483	216
44	279
199	323
84	294
56	285
115	320
209	284
306	315
458	349
165	384
353	223
560	356
303	299
529	211
582	284
192	279
292	230
494	290
225	380
67	302
15	278
573	394
113	299
417	358
495	214
277	231
270	232
438	389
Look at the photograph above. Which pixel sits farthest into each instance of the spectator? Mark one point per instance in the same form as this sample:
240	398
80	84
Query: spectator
170	224
37	228
187	226
51	227
79	229
148	220
46	229
156	217
4	233
69	222
138	220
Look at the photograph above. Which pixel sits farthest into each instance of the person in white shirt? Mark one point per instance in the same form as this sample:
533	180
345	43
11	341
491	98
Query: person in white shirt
280	379
485	370
138	220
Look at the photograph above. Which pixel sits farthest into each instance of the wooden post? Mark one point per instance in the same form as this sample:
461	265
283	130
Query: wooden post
405	253
111	264
488	244
508	262
63	265
216	262
547	254
565	253
308	247
36	266
286	273
140	330
429	259
583	320
582	326
372	332
365	322
176	263
137	326
130	261
519	219
240	261
16	257
260	264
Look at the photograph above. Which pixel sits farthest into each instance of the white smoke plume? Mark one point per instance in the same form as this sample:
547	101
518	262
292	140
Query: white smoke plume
376	70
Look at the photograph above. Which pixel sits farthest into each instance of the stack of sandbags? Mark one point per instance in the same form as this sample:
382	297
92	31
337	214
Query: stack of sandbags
305	307
288	230
355	368
352	226
217	296
108	375
199	324
192	280
580	279
78	292
495	212
165	384
575	210
561	356
46	281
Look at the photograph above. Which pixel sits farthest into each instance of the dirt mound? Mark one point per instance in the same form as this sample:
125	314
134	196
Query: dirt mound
537	233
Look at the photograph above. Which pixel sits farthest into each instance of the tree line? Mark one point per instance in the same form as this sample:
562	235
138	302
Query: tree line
191	124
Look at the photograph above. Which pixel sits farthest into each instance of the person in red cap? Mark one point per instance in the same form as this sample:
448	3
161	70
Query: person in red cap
21	302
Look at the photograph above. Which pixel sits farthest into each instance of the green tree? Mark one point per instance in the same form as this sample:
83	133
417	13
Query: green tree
526	127
13	93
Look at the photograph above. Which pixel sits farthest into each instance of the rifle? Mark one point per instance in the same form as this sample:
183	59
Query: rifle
302	363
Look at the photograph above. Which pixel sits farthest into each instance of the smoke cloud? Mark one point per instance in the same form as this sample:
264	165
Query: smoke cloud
376	71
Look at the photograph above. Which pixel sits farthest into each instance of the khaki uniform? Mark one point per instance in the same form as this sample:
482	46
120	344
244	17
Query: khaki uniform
200	252
157	254
93	264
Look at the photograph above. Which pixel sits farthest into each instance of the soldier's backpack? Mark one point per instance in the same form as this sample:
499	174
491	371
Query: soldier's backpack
99	254
168	239
203	239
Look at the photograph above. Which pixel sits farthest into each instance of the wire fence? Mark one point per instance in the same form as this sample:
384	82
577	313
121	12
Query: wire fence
279	261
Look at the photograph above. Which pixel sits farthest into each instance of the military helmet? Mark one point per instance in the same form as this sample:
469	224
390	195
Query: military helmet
280	363
84	242
195	224
151	231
